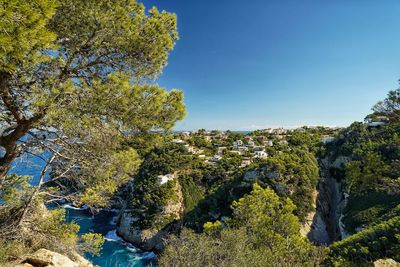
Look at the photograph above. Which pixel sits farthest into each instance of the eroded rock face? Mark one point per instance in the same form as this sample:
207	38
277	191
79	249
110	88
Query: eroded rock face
150	239
146	239
44	257
327	225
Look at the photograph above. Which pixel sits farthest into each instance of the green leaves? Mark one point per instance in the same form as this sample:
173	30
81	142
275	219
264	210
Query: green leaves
83	70
114	35
77	77
263	209
24	33
376	242
92	243
389	107
262	232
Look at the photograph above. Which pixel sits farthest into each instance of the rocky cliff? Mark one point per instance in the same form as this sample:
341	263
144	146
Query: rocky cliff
327	225
151	238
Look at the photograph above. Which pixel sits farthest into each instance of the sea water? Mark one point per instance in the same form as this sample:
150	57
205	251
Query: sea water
115	252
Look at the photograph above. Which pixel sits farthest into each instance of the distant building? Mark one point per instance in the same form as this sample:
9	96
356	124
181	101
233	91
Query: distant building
237	143
268	143
221	149
216	158
245	162
260	154
258	148
283	143
242	148
375	121
178	141
185	135
162	179
250	143
208	138
190	149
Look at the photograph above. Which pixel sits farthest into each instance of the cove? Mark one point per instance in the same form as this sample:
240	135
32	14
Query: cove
115	252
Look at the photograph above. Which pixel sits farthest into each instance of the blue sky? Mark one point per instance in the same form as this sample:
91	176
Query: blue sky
268	63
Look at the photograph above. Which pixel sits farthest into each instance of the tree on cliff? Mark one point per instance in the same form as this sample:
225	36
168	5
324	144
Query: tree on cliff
76	81
263	231
390	106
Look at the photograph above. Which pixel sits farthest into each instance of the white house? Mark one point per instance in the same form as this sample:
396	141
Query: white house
268	143
221	149
238	143
189	148
162	179
377	121
251	143
178	141
258	148
242	148
260	154
216	158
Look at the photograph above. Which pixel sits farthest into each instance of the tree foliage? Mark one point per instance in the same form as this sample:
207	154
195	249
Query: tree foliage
390	106
263	231
77	82
79	85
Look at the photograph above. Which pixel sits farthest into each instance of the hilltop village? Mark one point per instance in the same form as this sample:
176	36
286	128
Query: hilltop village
211	146
194	177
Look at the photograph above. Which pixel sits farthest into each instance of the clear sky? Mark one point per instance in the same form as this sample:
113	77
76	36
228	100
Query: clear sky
268	63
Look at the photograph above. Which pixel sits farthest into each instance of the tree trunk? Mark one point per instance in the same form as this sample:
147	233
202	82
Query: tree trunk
9	143
10	137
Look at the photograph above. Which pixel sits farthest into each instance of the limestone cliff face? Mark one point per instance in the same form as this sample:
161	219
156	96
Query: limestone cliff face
305	228
44	257
327	225
152	238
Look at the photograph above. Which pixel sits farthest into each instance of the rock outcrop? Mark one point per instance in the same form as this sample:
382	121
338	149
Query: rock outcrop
386	263
44	257
153	238
306	227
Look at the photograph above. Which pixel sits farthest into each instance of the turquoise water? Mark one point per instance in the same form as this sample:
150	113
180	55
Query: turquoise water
115	252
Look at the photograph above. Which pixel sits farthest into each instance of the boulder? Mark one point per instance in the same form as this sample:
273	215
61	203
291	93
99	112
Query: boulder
47	258
386	263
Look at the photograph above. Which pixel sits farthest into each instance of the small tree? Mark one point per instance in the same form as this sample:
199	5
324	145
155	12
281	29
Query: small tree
390	106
